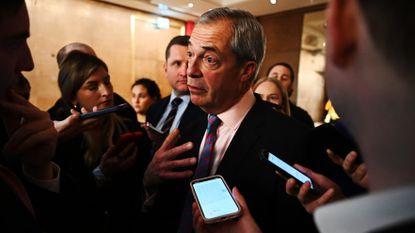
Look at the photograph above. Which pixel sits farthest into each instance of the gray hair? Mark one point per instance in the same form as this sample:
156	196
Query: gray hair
248	39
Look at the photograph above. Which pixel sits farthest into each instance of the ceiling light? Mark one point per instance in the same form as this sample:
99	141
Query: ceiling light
162	23
163	7
273	2
190	4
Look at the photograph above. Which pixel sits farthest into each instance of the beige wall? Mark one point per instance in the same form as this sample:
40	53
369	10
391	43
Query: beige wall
109	30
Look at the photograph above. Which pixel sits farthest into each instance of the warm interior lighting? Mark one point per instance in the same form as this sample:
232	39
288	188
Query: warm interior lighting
273	2
190	4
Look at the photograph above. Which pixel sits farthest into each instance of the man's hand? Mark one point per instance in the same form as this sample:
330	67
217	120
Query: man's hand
164	163
72	125
357	172
328	191
244	224
32	136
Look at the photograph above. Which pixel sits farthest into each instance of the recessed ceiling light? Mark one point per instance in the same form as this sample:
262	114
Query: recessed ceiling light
163	7
190	4
273	2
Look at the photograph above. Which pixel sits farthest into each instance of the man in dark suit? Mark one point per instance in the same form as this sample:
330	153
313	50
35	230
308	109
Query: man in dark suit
285	74
175	70
225	51
365	62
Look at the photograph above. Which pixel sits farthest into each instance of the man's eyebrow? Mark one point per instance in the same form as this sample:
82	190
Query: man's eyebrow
207	48
210	48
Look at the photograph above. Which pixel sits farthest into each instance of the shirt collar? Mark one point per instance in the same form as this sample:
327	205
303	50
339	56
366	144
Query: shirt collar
233	117
185	98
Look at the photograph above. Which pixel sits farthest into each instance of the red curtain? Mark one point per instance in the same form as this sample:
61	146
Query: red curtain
189	27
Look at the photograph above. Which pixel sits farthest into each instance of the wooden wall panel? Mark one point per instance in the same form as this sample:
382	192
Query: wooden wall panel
283	32
107	28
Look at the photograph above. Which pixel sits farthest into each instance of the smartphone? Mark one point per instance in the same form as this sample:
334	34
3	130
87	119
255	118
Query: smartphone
129	137
285	170
126	139
154	129
214	199
337	141
103	111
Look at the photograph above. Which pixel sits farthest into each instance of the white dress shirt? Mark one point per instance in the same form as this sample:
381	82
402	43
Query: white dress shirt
231	120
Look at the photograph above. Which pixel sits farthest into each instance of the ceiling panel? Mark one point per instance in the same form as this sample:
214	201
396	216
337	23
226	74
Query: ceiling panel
179	9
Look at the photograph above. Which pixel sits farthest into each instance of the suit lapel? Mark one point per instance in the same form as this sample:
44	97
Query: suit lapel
191	114
158	111
244	140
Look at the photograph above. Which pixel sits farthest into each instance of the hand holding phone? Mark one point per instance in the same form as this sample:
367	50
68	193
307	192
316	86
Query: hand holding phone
121	156
156	136
285	170
214	199
328	191
127	138
103	111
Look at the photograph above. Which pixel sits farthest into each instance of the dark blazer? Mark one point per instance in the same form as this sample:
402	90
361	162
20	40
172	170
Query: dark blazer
155	112
301	115
272	208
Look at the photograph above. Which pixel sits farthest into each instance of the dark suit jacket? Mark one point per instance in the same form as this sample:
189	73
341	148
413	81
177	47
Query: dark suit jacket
272	208
155	112
301	115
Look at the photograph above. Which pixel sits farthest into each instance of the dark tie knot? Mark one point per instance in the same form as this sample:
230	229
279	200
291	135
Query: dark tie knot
176	102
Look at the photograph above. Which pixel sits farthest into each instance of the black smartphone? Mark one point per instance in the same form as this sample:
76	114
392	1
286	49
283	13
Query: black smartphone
214	199
337	140
154	129
103	111
285	170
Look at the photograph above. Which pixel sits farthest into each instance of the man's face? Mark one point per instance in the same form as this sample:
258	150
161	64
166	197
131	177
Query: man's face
175	68
283	74
14	52
214	78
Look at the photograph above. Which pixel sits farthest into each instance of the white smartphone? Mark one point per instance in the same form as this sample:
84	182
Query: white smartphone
214	199
285	170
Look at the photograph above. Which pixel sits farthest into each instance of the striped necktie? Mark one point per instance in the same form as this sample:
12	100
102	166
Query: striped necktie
203	168
172	114
207	156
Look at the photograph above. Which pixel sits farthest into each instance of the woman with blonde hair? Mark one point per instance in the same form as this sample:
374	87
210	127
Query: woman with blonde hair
271	90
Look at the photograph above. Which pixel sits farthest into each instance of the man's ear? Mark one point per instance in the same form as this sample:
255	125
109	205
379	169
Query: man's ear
248	70
342	30
165	67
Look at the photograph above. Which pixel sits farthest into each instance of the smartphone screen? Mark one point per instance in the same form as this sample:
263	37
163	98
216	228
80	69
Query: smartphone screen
288	169
214	199
103	111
